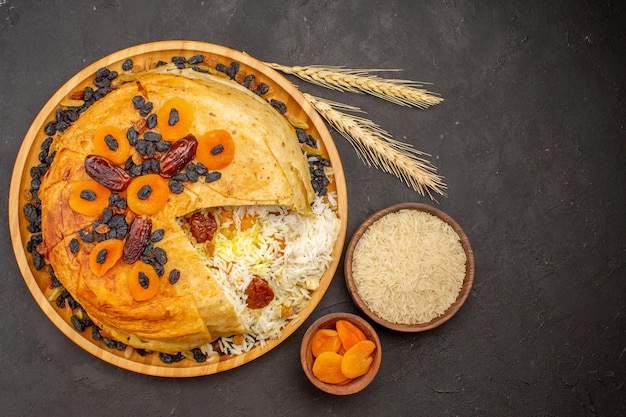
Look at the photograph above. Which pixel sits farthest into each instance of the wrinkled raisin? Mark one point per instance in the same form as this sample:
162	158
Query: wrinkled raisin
74	246
176	187
127	65
77	323
144	192
157	235
152	136
198	355
144	281
173	117
88	195
163	145
101	256
217	149
213	176
132	136
160	255
86	236
138	102
278	105
196	59
146	109
151	121
174	276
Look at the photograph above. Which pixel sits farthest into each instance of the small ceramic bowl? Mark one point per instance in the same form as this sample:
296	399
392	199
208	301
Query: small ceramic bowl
306	356
467	282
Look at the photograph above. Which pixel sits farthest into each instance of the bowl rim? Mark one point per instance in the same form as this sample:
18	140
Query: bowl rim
468	280
306	356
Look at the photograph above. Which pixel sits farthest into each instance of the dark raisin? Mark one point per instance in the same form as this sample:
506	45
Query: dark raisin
150	149
50	128
147	251
217	149
110	343
141	146
152	136
302	135
127	65
212	176
146	109
88	195
103	72
165	358
161	63
144	192
54	281
222	68
173	118
117	221
263	88
114	198
101	256
192	175
60	301
163	145
158	268
72	303
45	146
278	105
102	82
182	177
249	78
157	235
144	281
107	214
152	121
160	255
62	126
74	246
78	324
176	187
121	232
135	171
95	333
176	59
113	75
138	102
86	236
201	169
198	355
141	352
120	346
196	59
174	276
132	136
31	213
88	94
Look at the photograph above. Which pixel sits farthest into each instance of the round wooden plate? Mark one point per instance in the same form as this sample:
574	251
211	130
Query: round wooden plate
148	55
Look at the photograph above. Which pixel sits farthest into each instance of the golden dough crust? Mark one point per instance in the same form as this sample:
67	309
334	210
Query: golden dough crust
268	168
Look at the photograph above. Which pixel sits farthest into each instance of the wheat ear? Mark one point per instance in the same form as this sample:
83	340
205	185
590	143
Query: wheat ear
376	147
403	92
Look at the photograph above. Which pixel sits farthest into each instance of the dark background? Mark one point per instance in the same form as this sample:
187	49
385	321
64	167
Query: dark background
530	140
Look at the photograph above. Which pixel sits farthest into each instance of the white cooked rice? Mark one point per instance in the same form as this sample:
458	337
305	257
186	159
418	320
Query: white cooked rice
292	273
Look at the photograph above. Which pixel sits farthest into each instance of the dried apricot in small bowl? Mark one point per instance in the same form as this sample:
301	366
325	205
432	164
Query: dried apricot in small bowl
325	359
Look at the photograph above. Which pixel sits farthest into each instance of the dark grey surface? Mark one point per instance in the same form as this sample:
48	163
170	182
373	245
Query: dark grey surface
531	141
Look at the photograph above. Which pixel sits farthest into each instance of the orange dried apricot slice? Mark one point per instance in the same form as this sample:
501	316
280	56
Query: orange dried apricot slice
143	282
349	333
327	368
216	149
88	197
147	194
325	340
174	119
111	143
358	359
105	255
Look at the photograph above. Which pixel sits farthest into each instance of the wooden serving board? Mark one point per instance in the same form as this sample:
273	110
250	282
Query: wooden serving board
145	56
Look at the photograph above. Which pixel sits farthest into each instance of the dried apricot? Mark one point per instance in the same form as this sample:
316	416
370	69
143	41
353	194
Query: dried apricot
325	340
327	368
111	143
216	149
349	333
88	197
358	359
105	255
174	119
143	282
147	194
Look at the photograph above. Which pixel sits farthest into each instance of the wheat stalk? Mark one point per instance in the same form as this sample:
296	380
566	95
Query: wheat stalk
403	92
376	147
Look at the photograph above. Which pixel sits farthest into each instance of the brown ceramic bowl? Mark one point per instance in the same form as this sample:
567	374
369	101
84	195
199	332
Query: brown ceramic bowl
467	282
306	356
